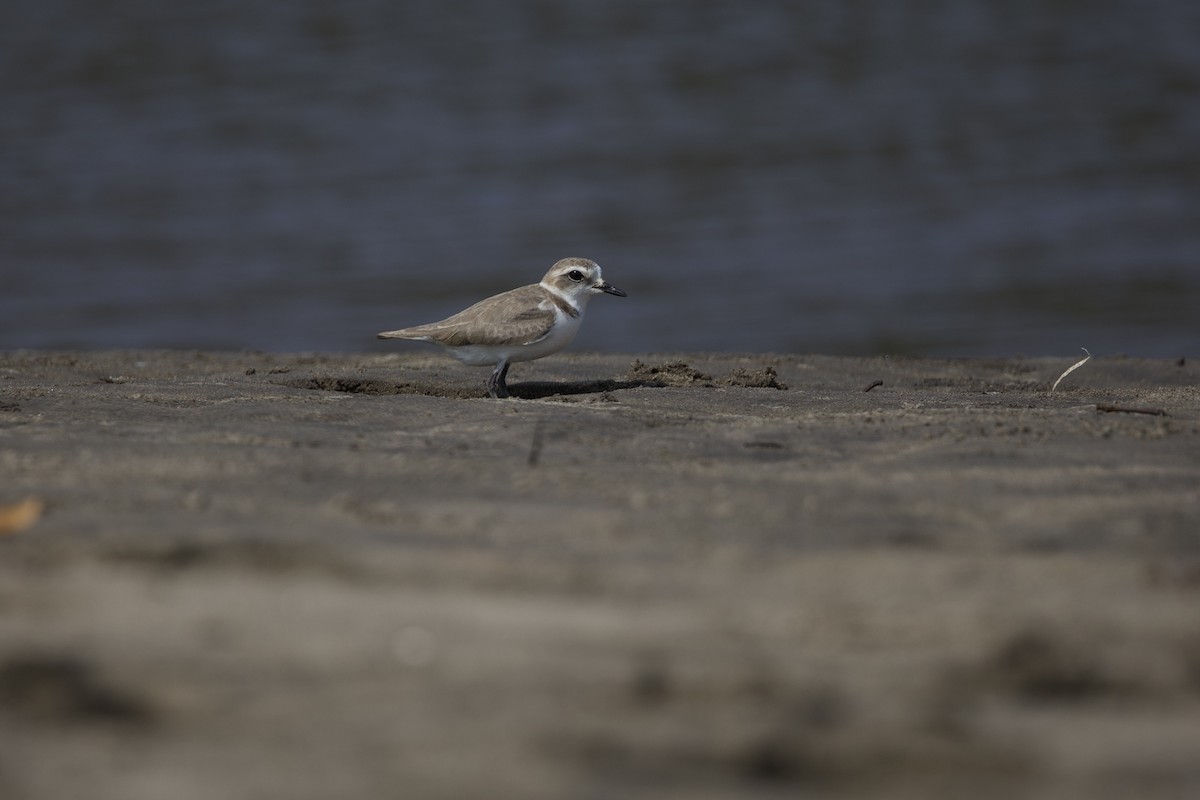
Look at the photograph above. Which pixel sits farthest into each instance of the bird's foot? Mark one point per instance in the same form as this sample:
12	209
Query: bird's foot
496	385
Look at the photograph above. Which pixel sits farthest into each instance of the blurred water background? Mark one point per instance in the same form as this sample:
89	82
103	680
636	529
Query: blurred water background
937	177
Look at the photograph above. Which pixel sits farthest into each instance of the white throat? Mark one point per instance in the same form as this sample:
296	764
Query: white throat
571	305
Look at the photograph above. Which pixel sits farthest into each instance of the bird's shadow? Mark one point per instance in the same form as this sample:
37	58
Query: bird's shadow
538	390
529	390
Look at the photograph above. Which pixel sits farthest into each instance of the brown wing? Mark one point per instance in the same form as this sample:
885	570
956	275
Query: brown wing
511	318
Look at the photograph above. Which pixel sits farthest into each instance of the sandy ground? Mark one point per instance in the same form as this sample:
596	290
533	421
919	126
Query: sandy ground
668	576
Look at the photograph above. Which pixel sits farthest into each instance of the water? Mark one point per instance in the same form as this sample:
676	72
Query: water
947	177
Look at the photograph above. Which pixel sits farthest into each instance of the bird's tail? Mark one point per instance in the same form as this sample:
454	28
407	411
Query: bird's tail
403	333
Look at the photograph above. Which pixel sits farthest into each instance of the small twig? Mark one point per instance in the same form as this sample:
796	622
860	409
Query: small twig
1154	412
1072	368
535	446
872	385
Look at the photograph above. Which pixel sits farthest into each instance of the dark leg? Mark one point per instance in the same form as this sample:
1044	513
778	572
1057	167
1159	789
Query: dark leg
496	385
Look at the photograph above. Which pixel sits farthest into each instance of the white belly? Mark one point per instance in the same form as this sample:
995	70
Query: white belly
561	335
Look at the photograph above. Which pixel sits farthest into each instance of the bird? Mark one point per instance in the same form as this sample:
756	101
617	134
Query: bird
521	324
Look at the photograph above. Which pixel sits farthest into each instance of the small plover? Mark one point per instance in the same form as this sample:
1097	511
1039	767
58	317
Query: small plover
518	325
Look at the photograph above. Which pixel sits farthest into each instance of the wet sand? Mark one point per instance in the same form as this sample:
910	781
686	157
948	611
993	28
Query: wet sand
651	575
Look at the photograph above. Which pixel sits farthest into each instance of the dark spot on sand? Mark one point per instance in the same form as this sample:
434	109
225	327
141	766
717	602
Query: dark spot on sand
775	759
1037	666
65	688
651	685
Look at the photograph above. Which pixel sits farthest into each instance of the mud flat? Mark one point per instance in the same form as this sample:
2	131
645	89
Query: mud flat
248	575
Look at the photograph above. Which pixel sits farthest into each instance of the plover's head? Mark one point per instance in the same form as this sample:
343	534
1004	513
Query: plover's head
578	279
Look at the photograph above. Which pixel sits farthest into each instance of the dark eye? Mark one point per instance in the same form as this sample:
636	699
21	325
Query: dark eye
575	275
